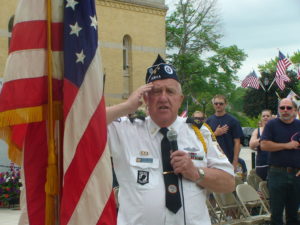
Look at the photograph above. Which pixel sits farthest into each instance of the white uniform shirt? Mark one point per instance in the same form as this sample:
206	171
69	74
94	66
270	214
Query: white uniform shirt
136	151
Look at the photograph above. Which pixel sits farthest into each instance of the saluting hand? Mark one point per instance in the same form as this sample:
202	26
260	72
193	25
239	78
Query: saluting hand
135	100
183	164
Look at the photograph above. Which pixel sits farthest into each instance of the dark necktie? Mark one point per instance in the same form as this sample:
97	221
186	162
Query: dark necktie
173	201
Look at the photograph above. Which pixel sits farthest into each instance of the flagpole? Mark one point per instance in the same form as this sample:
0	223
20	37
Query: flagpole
262	86
271	84
51	186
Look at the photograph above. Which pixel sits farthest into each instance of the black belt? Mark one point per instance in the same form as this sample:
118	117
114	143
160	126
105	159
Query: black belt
284	169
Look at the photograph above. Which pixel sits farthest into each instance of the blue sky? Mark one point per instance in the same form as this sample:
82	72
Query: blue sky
260	28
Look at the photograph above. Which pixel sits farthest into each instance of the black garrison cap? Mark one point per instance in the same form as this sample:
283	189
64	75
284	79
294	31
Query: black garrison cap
160	70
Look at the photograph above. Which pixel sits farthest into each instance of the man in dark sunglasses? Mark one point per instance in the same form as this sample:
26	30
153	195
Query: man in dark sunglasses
280	137
227	129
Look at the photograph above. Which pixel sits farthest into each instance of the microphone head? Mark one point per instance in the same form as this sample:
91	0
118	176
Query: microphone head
172	135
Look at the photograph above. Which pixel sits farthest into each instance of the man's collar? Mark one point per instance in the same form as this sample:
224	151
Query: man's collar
154	128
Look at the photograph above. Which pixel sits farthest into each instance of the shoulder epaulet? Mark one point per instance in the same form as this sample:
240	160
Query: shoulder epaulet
133	118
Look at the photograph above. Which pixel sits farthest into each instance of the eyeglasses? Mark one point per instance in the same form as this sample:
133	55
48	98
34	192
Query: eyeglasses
218	103
285	107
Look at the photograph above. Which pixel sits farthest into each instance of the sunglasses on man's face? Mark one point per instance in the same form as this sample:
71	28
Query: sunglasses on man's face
285	107
218	103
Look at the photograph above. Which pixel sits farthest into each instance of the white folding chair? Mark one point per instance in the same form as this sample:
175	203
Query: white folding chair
263	188
232	211
253	179
250	199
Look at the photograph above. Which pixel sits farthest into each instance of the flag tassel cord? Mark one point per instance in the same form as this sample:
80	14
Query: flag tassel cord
51	186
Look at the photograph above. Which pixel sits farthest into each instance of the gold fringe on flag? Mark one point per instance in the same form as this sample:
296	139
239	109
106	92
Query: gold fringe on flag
14	153
10	118
29	115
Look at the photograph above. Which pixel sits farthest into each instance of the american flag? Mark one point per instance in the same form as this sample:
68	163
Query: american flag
24	99
87	177
184	113
281	76
298	73
251	80
87	184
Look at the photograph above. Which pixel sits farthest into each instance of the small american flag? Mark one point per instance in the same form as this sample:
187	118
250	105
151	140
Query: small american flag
281	76
251	80
184	113
298	73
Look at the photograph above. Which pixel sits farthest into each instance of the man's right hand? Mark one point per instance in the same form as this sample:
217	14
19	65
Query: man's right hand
134	101
292	145
220	130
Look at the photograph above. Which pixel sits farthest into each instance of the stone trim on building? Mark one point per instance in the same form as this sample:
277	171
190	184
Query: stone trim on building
136	6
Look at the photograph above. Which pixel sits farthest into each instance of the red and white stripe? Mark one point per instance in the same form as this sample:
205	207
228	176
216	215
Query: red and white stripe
87	165
25	85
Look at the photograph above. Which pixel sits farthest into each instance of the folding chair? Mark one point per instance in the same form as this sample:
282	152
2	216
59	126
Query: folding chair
238	180
250	199
214	215
231	211
253	179
263	188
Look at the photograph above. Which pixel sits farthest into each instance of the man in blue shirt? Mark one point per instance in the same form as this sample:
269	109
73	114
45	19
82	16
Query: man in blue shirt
281	138
227	129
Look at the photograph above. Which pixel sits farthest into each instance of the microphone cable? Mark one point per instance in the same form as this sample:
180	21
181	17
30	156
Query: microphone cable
182	197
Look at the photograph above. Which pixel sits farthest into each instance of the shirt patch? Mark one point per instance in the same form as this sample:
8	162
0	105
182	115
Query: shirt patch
142	177
144	160
143	153
195	156
189	149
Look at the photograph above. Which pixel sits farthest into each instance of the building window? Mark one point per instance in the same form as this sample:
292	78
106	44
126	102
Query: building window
127	70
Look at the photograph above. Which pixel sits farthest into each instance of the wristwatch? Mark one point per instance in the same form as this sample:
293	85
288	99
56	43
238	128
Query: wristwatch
201	175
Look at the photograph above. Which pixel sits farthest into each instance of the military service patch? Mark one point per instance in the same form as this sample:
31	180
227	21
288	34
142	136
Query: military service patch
143	177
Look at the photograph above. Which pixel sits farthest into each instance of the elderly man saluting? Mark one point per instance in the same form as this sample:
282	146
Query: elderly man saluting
281	137
159	185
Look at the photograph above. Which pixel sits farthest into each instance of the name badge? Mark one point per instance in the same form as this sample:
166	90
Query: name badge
144	160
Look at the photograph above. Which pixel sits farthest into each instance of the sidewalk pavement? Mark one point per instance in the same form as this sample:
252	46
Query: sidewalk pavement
9	216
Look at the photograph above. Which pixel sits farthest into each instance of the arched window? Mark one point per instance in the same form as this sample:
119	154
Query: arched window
10	27
127	69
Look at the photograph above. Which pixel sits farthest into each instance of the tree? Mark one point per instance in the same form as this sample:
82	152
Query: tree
205	68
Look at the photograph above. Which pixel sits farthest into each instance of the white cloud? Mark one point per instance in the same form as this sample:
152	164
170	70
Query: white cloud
261	27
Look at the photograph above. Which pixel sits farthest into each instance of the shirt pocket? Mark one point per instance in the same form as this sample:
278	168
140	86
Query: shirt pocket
145	172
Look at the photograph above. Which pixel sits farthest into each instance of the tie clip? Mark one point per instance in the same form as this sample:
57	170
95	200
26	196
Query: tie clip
167	172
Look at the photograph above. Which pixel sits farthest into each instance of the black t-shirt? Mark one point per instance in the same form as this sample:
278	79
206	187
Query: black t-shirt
280	132
226	141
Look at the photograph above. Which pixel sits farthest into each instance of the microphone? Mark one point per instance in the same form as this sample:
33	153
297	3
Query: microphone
172	137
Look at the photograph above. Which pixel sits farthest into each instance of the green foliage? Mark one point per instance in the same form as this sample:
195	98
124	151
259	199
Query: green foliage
257	100
10	186
205	68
